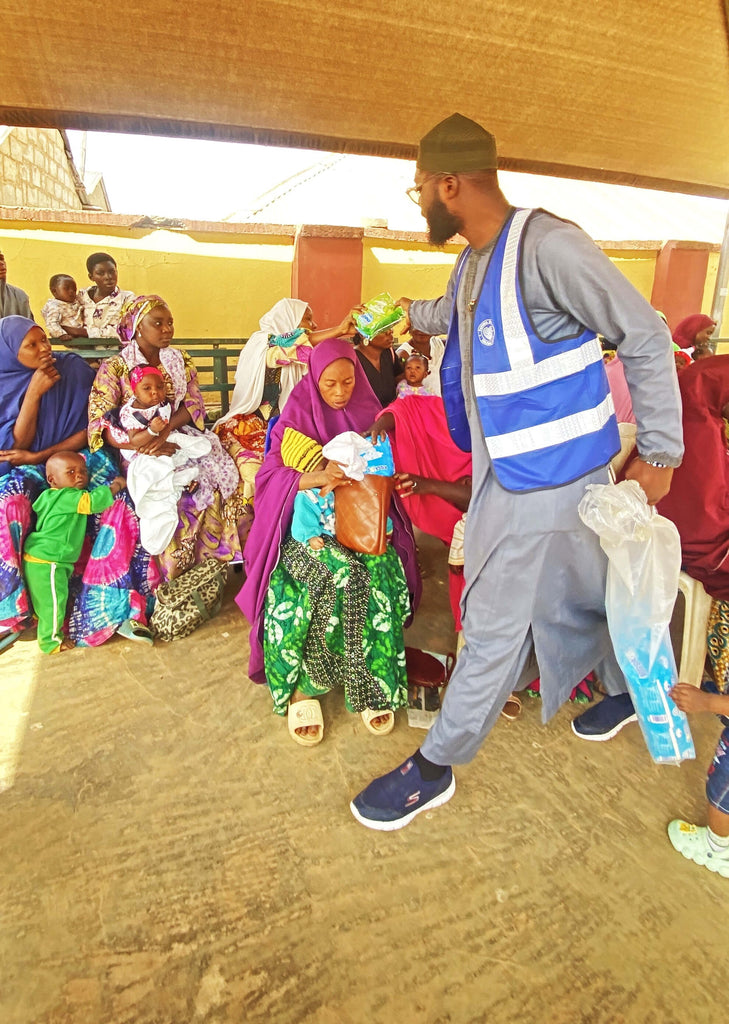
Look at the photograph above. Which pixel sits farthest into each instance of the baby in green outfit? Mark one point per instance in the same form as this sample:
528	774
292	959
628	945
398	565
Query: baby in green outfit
53	548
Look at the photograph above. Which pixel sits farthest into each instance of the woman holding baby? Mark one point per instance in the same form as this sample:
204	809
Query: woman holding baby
211	524
322	615
43	411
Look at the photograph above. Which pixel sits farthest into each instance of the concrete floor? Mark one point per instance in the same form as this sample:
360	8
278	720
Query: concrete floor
169	855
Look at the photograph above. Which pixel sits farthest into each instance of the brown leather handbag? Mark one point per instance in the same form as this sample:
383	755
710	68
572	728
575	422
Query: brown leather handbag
360	513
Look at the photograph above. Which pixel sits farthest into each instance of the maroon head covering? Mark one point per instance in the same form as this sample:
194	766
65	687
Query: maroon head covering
686	331
698	502
277	485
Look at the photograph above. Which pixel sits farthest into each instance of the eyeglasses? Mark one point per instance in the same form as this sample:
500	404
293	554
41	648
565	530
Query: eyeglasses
414	191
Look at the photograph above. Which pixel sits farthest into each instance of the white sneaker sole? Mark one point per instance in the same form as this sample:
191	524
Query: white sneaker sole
605	735
393	826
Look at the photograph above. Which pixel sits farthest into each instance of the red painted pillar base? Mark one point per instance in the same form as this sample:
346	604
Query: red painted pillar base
327	271
680	277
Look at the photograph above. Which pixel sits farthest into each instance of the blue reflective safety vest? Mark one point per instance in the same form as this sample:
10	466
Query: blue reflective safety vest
546	411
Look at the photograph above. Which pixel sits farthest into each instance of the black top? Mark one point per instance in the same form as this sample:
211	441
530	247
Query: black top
382	383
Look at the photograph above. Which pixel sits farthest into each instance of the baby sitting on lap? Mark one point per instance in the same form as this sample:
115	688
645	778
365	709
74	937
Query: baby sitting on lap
197	463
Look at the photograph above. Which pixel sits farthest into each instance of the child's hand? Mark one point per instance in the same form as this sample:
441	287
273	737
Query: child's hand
157	424
316	543
117	484
691	698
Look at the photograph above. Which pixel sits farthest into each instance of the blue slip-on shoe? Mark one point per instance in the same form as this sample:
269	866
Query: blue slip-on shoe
606	719
393	800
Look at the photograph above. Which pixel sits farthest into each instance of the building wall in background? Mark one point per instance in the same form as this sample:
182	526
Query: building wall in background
219	279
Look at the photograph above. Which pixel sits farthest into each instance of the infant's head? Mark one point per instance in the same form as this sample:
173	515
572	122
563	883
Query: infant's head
148	386
416	369
63	287
67	469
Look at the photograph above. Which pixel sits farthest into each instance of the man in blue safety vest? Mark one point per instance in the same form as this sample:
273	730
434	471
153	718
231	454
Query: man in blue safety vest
525	389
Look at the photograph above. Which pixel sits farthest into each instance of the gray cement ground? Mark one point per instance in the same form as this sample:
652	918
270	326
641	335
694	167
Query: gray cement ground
169	855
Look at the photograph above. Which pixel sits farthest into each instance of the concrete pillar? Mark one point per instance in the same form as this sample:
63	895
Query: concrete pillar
680	277
327	270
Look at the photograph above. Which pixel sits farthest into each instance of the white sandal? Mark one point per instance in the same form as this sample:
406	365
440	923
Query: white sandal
303	713
378	730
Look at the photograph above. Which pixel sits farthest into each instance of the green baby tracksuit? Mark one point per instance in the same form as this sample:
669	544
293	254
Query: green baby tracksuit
52	550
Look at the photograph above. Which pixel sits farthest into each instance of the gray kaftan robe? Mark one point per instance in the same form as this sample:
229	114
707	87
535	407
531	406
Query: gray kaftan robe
534	574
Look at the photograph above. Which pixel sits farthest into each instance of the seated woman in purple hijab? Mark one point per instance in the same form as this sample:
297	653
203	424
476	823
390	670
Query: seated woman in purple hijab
322	615
44	409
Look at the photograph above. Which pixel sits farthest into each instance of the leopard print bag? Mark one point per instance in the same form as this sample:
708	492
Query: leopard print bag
185	603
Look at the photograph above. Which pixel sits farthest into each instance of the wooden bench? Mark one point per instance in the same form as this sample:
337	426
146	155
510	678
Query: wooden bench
215	359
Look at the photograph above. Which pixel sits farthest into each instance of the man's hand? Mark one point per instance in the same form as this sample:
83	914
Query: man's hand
404	303
655	480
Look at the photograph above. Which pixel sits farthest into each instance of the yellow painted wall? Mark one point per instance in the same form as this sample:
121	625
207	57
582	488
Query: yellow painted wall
402	268
220	284
216	286
638	265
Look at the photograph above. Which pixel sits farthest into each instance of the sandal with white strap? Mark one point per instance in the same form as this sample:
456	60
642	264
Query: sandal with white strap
303	713
381	729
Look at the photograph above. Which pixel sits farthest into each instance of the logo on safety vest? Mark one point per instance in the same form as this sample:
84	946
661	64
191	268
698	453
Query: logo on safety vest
486	332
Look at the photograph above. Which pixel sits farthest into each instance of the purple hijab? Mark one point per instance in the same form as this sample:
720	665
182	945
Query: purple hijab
277	486
63	409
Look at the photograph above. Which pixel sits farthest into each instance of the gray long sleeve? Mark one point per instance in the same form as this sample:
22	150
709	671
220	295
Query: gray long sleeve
568	284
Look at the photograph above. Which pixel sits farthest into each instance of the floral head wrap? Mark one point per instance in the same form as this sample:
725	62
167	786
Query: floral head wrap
137	373
133	311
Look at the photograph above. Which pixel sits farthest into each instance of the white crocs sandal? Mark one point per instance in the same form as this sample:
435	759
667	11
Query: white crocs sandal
303	713
378	730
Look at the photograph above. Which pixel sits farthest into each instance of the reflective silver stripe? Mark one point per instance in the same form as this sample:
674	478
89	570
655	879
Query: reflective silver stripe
545	435
511	382
516	338
55	632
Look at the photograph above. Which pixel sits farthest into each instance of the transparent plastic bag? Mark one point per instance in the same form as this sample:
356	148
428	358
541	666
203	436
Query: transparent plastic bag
379	315
644	560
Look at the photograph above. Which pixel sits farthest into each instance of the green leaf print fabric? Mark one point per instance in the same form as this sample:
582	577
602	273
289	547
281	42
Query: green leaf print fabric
334	618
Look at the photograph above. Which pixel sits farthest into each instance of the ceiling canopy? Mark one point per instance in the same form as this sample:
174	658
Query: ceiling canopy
618	91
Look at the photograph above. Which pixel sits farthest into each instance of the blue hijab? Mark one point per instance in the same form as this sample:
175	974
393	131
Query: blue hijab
63	410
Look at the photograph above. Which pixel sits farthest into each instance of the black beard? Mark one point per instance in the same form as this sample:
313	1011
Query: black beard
442	225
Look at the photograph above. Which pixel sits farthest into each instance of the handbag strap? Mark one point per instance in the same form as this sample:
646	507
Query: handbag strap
200	604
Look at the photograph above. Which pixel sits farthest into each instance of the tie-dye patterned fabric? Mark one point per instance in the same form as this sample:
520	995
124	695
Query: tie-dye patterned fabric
114	578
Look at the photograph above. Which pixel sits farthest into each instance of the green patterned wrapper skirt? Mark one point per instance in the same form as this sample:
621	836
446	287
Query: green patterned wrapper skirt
335	618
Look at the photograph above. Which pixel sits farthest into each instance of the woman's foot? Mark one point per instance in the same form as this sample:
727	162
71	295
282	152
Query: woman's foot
311	729
377	721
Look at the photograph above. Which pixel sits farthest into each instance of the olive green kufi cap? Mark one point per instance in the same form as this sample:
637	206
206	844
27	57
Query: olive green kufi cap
457	145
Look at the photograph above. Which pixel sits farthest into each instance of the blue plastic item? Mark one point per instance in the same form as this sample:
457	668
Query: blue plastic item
382	462
665	727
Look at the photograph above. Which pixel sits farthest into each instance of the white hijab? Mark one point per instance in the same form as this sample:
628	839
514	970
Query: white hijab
250	373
